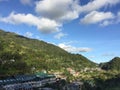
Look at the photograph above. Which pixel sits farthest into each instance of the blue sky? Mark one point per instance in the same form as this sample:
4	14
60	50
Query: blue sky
87	27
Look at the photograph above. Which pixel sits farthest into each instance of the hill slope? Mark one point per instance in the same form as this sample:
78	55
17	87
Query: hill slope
20	55
114	64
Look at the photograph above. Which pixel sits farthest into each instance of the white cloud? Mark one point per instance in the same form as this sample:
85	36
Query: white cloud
97	4
20	18
115	20
73	49
66	10
28	34
48	26
60	35
96	17
53	14
45	25
26	2
106	23
104	18
91	56
108	54
60	10
71	42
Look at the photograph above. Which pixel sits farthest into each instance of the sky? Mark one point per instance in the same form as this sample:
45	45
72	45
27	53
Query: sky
87	27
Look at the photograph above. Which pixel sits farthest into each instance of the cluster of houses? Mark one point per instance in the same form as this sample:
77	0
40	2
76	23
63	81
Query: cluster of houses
73	72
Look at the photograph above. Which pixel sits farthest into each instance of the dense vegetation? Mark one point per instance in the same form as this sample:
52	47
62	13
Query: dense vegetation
21	55
98	83
106	79
114	64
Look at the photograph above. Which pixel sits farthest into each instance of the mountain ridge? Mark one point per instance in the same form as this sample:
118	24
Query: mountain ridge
113	64
34	55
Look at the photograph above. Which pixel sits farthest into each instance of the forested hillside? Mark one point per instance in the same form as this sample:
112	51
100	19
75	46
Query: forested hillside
21	55
114	64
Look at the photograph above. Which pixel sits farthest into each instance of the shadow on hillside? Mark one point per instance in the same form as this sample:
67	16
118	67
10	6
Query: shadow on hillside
99	84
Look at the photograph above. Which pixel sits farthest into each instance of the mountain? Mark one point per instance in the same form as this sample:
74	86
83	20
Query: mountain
114	64
21	55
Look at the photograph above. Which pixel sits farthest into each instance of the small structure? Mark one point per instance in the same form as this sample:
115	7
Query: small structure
74	86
